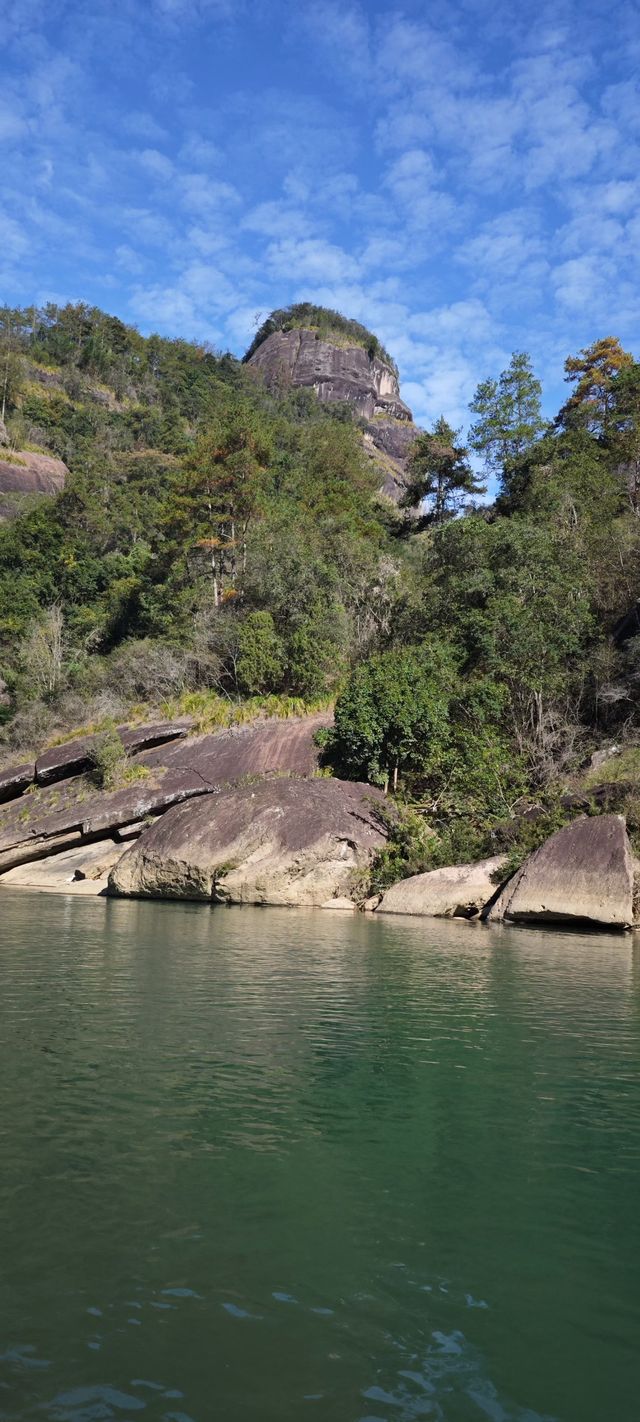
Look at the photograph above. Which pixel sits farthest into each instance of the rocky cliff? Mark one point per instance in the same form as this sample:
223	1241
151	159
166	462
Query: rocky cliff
24	471
349	373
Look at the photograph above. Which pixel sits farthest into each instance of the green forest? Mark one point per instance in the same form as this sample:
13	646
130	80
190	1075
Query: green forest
220	550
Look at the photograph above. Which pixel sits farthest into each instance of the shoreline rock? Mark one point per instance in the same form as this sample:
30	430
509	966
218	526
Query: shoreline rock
279	842
457	891
583	874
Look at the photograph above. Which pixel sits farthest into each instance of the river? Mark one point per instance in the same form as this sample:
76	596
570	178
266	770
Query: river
263	1165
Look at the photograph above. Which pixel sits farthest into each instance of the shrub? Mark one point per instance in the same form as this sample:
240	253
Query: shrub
109	759
260	663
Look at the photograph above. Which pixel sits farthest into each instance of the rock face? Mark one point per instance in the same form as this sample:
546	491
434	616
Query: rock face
75	757
335	372
14	781
83	869
64	812
346	373
458	891
29	473
584	873
278	842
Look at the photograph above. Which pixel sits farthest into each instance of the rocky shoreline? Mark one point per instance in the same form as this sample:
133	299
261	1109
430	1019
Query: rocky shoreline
245	816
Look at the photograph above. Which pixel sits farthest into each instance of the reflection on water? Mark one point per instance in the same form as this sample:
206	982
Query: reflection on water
259	1163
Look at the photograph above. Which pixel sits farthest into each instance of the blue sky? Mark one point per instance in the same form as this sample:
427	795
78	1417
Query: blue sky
465	179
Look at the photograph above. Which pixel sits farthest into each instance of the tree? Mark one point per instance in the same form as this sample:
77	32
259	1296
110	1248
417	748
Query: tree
624	430
439	470
509	415
594	373
218	493
10	363
42	652
392	717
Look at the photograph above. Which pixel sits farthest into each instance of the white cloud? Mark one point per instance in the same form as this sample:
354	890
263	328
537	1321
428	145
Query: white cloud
310	259
203	194
143	126
155	163
13	239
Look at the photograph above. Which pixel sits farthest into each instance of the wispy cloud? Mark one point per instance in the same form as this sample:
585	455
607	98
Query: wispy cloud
464	182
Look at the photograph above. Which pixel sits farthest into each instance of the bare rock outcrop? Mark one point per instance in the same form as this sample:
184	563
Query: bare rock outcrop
334	371
16	779
278	842
75	757
457	891
344	372
61	813
27	472
82	869
583	874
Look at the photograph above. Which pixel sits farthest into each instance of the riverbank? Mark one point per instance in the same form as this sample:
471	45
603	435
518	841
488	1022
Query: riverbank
247	816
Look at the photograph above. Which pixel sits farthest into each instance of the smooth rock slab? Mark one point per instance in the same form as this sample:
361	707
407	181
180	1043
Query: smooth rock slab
75	757
457	891
16	780
97	819
33	474
582	873
278	842
83	870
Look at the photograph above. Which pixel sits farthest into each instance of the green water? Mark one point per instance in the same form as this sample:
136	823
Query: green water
274	1165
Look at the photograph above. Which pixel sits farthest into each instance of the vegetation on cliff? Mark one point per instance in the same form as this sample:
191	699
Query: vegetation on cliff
329	325
218	546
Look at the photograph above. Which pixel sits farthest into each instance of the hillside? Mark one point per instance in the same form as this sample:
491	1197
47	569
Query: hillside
220	547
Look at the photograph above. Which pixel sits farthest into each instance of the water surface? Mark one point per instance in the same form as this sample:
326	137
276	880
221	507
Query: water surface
264	1164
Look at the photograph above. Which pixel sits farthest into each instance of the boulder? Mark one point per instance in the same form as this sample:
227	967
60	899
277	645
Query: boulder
15	780
583	874
458	891
282	841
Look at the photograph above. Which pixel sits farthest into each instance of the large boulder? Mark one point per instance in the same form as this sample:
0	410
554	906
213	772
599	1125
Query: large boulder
458	891
583	874
281	841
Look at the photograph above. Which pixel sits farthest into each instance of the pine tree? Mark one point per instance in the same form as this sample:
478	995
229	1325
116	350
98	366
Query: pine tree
509	416
439	471
593	373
